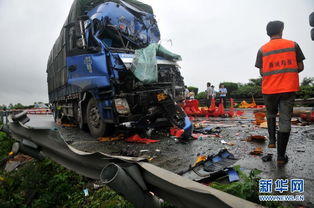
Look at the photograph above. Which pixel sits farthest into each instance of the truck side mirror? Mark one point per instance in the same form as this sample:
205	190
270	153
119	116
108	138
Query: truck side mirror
83	18
311	18
72	24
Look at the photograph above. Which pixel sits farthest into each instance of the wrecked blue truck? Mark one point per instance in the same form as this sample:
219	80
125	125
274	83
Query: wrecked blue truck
106	70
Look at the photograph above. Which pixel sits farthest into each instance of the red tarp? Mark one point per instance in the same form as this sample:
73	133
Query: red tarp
138	139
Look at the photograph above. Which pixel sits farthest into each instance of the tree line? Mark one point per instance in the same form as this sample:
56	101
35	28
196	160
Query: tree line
254	88
19	106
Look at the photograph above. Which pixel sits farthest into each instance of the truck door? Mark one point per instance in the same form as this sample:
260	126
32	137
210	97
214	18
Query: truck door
86	62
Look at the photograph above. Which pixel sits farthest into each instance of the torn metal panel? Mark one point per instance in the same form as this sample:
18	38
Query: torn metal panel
175	189
111	22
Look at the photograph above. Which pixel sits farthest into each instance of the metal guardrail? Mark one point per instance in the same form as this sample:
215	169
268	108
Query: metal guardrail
133	178
43	111
260	101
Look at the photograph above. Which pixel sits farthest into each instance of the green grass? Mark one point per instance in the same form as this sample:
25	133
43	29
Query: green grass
5	145
46	184
246	188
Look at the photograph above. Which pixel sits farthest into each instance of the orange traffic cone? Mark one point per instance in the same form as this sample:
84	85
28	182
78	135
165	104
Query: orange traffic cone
231	111
212	107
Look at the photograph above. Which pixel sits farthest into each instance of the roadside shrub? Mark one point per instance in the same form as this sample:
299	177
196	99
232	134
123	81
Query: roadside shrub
306	92
246	188
307	81
46	184
201	95
5	144
231	87
193	89
247	91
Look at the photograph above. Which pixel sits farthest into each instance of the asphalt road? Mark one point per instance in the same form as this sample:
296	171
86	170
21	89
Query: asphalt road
175	156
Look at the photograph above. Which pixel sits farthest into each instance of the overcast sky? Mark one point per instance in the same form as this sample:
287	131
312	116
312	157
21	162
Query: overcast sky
217	39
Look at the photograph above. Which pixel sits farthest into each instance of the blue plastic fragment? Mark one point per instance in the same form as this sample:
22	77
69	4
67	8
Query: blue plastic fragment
225	154
208	128
233	175
216	158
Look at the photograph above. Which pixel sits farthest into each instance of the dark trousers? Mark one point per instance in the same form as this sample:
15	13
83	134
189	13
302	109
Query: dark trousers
282	102
224	100
208	101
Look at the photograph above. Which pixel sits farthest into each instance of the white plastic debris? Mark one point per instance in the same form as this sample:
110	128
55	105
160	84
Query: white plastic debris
86	192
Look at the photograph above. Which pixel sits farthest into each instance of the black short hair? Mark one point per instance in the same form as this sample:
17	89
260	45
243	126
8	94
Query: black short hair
274	28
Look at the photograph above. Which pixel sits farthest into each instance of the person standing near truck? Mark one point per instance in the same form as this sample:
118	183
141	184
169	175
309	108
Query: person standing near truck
187	92
208	94
213	91
279	61
223	94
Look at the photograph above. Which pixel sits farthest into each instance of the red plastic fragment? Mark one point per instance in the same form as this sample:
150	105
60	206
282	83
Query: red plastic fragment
239	113
138	139
176	132
307	117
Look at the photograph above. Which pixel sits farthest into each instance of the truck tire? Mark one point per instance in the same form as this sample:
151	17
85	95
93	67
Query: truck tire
311	18
83	126
96	125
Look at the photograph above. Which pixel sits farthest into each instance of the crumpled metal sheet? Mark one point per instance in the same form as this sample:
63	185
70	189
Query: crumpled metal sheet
141	29
173	188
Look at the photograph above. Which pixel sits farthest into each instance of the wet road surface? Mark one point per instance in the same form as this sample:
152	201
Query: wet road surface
175	156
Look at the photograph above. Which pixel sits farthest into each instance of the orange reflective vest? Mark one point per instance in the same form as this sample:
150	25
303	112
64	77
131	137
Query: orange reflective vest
280	67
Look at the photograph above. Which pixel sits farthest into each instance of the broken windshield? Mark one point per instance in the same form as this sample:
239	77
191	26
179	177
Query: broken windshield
115	26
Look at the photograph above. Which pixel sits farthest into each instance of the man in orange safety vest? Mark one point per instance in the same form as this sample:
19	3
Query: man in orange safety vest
280	62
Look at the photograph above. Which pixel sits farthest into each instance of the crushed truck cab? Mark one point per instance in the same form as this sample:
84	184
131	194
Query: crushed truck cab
107	69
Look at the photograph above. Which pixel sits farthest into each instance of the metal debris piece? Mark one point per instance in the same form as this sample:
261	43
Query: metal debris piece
257	151
256	138
109	139
267	157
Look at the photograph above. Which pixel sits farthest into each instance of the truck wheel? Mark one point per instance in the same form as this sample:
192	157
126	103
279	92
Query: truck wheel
312	19
95	123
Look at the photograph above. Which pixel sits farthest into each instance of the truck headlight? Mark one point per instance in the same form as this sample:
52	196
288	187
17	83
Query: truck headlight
122	106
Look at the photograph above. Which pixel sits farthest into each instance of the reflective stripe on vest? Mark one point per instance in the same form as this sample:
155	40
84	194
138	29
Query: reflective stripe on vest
280	67
279	71
278	51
